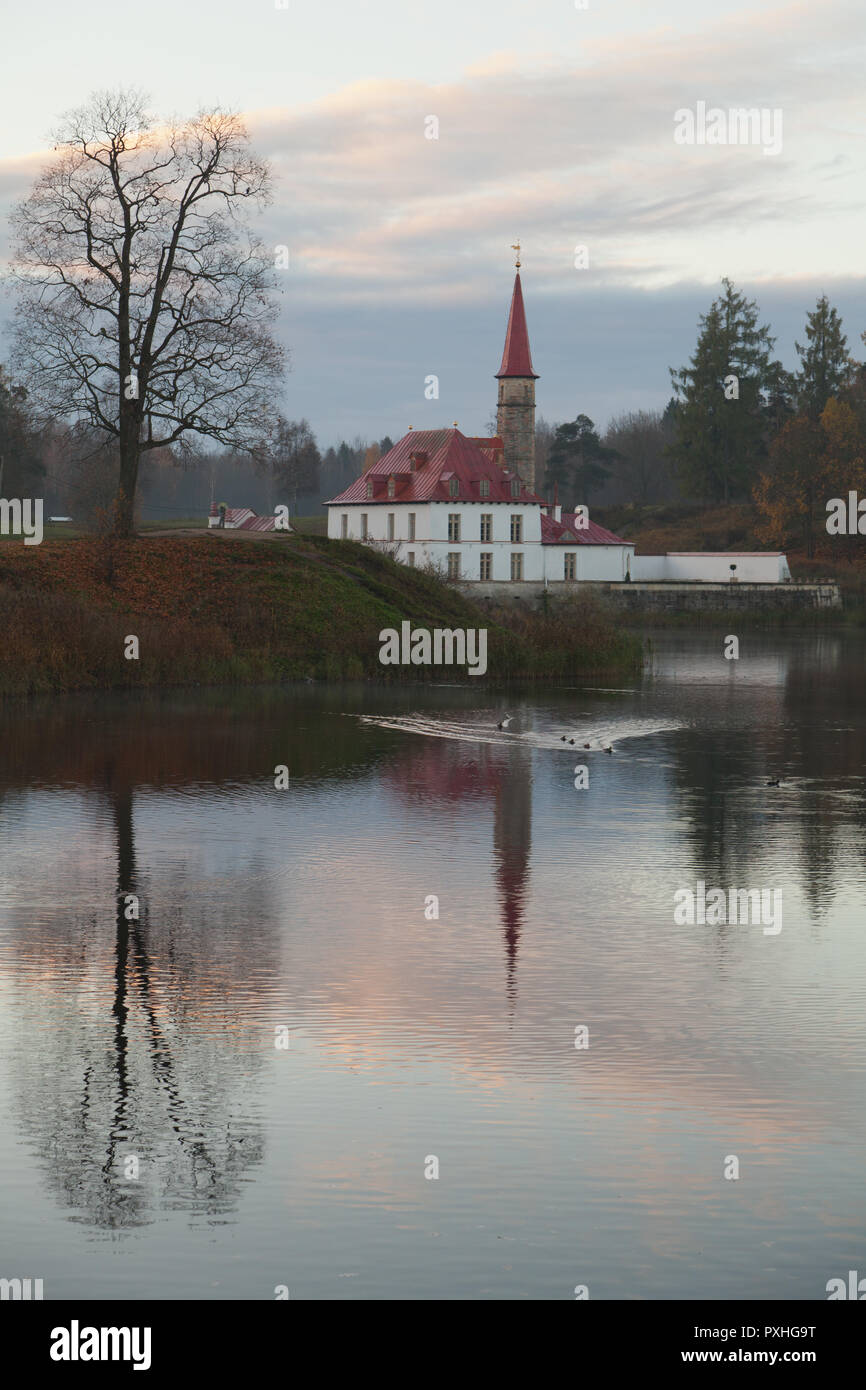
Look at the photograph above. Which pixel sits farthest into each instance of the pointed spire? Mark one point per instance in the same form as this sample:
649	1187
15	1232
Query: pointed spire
516	358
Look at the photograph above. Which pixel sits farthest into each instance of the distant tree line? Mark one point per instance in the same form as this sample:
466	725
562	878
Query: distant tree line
738	427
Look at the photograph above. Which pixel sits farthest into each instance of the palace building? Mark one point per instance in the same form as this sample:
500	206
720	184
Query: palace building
469	507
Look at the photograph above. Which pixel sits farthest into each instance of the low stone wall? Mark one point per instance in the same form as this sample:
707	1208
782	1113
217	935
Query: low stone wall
664	597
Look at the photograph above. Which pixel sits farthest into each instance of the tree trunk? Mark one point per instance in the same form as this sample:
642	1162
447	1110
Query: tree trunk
124	524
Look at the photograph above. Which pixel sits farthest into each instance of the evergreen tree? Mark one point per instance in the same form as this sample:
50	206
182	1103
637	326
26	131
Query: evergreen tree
722	399
578	461
825	365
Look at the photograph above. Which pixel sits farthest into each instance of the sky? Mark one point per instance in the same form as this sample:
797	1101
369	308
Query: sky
556	127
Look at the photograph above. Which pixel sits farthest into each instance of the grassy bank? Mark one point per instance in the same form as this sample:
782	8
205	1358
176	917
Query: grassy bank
211	610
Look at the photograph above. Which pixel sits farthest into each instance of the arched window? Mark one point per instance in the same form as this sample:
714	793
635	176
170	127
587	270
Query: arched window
515	487
392	487
454	487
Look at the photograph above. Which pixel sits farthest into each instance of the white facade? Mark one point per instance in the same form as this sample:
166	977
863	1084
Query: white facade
432	532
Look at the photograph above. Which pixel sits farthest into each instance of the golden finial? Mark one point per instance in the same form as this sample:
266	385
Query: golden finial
455	424
516	247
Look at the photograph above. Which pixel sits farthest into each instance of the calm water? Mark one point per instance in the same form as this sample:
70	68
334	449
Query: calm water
412	1037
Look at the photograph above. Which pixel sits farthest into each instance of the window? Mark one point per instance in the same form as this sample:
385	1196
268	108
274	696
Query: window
454	487
517	567
453	564
487	526
344	526
517	530
392	487
410	559
485	487
363	526
453	526
570	571
411	526
486	564
515	487
390	526
369	487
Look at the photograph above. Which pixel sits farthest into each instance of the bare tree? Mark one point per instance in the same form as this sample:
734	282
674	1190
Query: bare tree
640	438
289	460
145	300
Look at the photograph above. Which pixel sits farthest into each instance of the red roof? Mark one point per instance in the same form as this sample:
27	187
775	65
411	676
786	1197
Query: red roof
493	448
566	532
516	358
422	465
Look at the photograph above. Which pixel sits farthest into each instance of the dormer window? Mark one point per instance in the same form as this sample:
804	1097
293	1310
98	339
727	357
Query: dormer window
485	487
453	487
515	487
392	487
369	487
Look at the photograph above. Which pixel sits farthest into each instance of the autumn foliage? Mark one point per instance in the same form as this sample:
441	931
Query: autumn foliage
811	461
211	610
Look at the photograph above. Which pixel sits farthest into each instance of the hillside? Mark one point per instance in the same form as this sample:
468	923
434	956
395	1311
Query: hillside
212	609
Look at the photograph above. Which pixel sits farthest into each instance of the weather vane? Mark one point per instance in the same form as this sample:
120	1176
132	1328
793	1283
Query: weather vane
516	247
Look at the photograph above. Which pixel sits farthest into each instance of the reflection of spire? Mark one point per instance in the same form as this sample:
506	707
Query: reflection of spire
432	768
512	837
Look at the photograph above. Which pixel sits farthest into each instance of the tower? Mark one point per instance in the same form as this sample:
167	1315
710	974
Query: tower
515	412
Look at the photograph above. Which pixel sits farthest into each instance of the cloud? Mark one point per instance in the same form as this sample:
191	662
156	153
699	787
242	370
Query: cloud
561	154
400	245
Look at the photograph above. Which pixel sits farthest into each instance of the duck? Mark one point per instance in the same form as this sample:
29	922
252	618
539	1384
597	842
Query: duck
608	750
586	745
774	782
504	722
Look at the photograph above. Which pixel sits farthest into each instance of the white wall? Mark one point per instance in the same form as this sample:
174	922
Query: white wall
597	563
766	568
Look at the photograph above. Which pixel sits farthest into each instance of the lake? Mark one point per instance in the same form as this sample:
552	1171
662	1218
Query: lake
421	1023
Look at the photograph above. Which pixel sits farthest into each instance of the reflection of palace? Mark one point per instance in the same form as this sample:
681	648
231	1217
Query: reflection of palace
437	768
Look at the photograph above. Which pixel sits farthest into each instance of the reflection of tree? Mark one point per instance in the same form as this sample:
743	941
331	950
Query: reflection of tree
808	729
138	1068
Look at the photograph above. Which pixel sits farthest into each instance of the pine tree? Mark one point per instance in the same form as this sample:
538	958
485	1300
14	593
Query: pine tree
826	367
722	400
578	461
